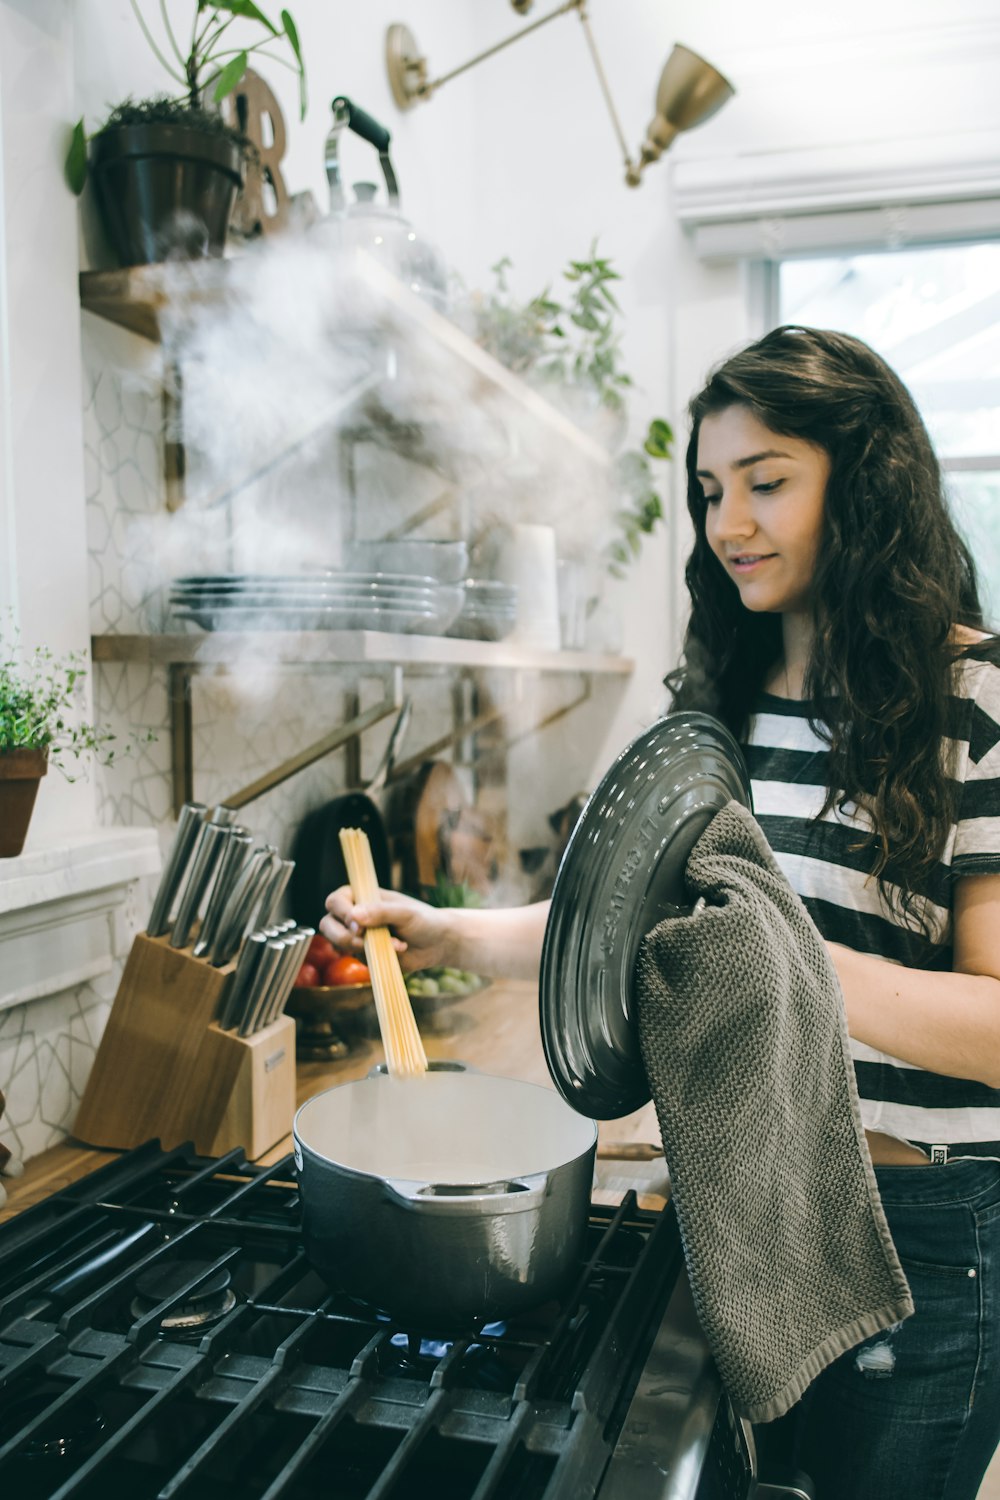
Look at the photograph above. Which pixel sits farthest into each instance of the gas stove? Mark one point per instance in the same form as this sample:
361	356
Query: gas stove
163	1334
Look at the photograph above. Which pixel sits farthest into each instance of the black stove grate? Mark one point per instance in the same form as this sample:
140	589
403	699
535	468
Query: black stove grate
162	1334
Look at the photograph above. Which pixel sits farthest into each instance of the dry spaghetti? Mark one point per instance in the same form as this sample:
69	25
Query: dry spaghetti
404	1051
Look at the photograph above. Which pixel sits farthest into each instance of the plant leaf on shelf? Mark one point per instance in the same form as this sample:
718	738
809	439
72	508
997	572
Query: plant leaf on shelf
230	76
249	10
75	168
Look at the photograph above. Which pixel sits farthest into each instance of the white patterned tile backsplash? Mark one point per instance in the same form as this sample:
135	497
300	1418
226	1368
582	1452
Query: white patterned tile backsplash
47	1050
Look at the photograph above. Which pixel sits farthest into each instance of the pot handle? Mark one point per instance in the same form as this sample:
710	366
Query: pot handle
511	1195
439	1065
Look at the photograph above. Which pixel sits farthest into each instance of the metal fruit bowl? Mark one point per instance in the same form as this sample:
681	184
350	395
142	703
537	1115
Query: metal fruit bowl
326	1001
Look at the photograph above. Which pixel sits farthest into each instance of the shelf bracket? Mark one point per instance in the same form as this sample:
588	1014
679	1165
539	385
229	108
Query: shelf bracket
181	736
490	716
556	714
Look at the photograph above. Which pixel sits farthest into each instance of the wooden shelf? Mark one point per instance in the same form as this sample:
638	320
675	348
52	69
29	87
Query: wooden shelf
137	297
338	648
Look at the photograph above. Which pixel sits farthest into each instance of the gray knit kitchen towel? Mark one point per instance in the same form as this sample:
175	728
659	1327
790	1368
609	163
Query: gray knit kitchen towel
744	1039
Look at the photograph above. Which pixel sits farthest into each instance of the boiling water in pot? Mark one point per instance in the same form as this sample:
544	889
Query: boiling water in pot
461	1128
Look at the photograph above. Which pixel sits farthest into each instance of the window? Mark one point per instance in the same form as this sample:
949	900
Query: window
934	314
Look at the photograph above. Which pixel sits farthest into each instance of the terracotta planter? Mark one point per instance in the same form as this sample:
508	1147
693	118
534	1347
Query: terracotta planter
20	773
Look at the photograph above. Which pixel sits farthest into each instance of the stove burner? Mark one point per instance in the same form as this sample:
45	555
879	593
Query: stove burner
419	1348
202	1306
65	1434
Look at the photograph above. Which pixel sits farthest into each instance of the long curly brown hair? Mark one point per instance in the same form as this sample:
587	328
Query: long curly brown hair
893	578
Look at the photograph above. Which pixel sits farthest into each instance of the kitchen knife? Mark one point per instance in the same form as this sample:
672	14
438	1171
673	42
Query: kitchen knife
275	890
238	918
300	941
211	837
237	895
233	855
223	814
188	823
246	964
260	985
257	917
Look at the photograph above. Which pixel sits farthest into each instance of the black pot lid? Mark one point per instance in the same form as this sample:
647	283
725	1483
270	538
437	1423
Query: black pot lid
621	874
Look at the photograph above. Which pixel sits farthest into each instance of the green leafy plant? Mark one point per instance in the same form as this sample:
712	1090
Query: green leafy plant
571	337
445	892
39	702
208	68
644	510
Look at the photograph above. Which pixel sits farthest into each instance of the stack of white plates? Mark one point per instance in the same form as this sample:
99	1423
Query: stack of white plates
489	612
317	601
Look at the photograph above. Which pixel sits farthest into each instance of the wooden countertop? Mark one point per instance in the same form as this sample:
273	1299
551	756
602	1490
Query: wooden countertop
496	1031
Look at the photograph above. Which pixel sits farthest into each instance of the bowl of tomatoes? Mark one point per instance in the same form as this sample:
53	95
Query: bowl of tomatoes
329	980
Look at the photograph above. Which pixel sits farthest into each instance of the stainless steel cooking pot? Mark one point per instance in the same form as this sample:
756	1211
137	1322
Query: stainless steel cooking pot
447	1199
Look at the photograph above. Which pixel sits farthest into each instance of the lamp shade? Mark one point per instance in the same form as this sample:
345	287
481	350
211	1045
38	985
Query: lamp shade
689	93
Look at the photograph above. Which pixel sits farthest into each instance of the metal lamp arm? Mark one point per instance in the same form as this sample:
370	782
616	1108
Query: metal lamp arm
426	89
631	169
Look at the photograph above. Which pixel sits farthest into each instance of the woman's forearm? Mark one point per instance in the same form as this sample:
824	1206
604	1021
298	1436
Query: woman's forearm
945	1022
505	942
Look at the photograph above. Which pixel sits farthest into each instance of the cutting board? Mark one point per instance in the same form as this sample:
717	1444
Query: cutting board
433	829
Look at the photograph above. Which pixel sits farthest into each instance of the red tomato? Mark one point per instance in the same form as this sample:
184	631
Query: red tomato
320	951
308	975
346	970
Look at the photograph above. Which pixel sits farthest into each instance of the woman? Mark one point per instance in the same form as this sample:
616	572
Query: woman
835	628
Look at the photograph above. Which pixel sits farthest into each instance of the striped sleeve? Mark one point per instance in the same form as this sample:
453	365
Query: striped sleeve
976	847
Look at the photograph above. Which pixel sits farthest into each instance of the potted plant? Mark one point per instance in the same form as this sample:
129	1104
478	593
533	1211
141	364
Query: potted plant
39	724
166	170
572	342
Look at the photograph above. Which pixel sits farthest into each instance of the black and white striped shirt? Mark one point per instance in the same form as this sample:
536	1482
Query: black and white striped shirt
787	764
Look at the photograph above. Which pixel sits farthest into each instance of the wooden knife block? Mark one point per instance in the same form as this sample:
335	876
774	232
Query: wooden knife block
164	1067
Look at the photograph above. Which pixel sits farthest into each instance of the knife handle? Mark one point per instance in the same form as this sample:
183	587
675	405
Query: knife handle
211	838
243	974
300	941
233	855
233	920
263	978
188	823
280	876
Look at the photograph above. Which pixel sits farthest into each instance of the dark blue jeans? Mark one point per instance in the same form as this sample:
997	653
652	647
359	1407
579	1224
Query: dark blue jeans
914	1413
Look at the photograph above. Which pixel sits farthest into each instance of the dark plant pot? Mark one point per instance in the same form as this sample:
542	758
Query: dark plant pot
20	773
165	192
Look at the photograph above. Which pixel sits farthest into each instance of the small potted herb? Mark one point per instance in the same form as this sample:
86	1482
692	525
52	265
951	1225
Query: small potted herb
167	170
39	724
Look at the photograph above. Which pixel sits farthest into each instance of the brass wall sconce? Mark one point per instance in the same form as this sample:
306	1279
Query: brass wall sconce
690	90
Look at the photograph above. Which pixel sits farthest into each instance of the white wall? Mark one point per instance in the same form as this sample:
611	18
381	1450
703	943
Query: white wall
42	534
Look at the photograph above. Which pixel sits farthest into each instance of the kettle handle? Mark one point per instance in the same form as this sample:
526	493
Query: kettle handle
366	126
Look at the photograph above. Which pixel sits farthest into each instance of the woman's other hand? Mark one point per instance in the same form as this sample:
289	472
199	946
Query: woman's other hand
420	932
